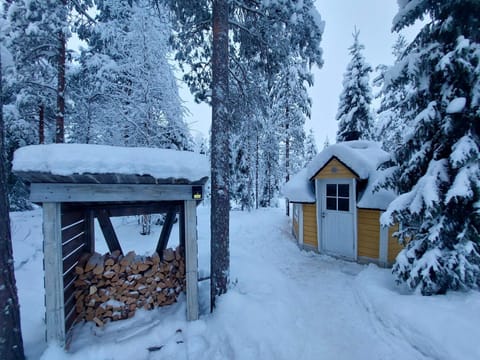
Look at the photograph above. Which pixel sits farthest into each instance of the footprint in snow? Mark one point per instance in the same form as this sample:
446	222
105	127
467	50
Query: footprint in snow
173	348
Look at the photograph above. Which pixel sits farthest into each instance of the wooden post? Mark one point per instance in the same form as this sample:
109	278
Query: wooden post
191	258
53	266
181	227
383	248
108	231
166	231
90	231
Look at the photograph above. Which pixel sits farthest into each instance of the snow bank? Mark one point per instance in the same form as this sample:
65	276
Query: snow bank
69	159
299	188
439	327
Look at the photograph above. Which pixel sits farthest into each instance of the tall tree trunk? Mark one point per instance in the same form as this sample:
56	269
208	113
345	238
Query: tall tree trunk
41	124
11	343
60	117
220	253
287	158
257	164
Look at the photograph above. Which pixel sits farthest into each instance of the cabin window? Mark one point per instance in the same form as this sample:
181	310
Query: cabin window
338	197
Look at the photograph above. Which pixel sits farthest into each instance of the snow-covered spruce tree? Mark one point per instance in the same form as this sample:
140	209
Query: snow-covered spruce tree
246	125
292	106
311	148
270	170
354	114
391	125
285	74
437	173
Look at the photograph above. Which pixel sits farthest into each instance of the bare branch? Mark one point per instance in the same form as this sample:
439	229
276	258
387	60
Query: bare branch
82	11
41	86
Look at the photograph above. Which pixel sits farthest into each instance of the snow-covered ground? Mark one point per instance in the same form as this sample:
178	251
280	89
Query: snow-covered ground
283	304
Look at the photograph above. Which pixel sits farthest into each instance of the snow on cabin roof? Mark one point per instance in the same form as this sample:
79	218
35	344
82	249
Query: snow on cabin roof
299	189
362	157
379	199
67	160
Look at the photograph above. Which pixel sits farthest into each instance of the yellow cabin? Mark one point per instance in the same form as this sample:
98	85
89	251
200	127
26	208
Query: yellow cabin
335	208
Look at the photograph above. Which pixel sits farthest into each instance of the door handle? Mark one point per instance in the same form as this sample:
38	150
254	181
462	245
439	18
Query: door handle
323	214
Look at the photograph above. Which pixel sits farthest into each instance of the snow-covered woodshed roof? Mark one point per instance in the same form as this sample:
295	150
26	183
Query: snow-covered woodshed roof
82	163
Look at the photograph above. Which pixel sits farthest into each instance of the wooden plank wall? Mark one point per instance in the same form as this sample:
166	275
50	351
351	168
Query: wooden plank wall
74	244
368	233
334	169
310	237
393	246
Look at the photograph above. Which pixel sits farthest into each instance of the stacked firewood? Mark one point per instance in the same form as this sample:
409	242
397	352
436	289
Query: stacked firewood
112	287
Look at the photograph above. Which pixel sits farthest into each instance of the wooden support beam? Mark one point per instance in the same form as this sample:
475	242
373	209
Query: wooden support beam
108	230
135	208
53	266
191	258
67	192
90	231
166	231
181	228
383	250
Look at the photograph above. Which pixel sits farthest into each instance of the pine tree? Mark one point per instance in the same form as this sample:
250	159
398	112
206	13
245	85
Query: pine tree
354	114
37	39
292	107
266	35
246	123
125	86
438	173
390	125
30	82
11	343
220	212
35	109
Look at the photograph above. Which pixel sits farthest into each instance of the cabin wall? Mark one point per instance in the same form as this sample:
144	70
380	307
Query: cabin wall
334	169
368	233
393	246
310	238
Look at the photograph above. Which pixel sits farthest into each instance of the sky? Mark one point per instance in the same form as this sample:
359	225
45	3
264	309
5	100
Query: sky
374	20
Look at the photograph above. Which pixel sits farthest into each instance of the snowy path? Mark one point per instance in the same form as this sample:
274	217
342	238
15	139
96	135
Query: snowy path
328	318
283	304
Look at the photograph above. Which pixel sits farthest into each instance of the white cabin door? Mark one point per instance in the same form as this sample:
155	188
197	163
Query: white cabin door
337	217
